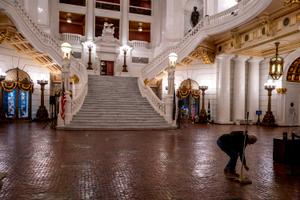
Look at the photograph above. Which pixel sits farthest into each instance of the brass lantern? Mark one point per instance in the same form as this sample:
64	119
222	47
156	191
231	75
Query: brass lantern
276	65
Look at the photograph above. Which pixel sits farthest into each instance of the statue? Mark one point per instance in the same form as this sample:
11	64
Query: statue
195	17
108	29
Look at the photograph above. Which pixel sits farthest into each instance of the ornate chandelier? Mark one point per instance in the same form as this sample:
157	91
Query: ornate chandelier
276	65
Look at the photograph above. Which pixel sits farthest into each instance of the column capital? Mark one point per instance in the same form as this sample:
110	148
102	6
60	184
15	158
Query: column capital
225	56
170	69
241	58
255	59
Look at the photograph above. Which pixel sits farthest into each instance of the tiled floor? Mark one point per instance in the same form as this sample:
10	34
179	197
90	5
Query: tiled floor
177	164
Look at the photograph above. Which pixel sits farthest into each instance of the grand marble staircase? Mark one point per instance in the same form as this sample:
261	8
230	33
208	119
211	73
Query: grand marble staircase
115	103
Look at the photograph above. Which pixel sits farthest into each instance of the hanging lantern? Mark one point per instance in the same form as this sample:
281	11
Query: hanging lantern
276	65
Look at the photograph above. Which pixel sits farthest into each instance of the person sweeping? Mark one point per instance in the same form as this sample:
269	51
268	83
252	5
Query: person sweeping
234	144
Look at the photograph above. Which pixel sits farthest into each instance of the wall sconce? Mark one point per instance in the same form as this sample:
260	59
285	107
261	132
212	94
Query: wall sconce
281	90
276	65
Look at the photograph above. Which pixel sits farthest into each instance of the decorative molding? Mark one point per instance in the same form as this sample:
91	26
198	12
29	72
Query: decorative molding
291	2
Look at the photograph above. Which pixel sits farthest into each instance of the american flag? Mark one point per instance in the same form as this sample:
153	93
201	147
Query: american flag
63	102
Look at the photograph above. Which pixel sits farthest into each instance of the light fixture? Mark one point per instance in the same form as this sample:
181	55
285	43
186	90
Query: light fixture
125	49
140	27
69	18
66	48
172	59
40	10
276	65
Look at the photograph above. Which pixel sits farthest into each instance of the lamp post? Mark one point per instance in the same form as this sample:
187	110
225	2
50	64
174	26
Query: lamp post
125	50
66	48
203	116
42	113
170	97
90	58
269	119
2	78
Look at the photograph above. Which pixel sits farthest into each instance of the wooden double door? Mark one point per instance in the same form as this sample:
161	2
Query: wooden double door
107	68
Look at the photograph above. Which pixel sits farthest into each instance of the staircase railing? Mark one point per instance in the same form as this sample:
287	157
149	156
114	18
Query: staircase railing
246	9
46	43
158	105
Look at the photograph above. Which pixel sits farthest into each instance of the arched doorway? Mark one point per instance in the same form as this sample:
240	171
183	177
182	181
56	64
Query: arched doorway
188	103
17	91
293	93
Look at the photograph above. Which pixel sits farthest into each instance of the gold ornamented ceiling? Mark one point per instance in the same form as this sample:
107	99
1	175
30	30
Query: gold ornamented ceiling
10	35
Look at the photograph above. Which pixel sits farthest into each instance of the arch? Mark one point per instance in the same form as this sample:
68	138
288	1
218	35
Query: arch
188	102
16	94
293	90
293	73
17	75
189	84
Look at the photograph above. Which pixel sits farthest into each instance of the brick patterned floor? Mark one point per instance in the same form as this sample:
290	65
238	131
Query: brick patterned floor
177	164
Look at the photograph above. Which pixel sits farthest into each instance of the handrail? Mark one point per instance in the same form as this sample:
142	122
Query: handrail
158	105
46	43
210	25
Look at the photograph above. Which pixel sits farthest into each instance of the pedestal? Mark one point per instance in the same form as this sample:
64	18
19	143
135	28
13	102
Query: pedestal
42	114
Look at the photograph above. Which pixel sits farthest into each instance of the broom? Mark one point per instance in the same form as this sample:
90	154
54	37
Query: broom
242	179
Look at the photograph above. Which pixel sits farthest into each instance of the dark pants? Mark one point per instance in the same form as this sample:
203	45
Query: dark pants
233	154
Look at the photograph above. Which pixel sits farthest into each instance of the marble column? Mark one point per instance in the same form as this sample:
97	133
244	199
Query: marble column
124	22
253	87
90	20
66	74
223	89
239	88
170	96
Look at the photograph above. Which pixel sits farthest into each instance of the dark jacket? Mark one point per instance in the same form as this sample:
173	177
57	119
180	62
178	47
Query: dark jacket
234	141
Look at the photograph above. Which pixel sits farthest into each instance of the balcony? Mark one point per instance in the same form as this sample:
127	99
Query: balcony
108	5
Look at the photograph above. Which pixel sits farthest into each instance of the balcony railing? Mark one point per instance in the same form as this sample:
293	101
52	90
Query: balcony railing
107	6
139	44
72	38
140	10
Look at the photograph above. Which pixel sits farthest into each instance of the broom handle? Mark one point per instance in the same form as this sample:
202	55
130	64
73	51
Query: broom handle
246	131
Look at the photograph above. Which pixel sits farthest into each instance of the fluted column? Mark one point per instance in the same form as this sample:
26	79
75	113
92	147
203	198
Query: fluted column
66	74
169	97
223	88
90	20
239	88
124	21
253	87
